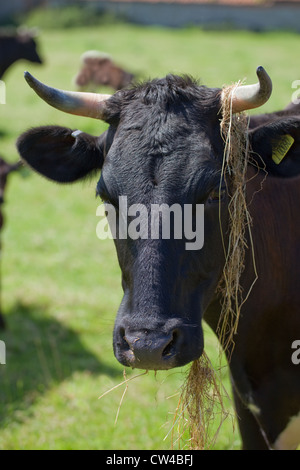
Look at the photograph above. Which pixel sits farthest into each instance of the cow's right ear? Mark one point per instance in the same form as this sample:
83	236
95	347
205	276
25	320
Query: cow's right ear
60	154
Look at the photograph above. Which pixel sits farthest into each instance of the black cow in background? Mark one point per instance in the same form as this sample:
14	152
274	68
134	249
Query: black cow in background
15	46
5	170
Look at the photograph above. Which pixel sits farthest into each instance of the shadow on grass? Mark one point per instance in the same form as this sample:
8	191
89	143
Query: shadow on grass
40	352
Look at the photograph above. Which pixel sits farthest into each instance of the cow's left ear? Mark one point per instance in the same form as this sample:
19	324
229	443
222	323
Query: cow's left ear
61	154
276	146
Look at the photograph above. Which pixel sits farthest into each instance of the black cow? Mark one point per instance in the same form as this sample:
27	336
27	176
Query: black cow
5	170
16	46
164	146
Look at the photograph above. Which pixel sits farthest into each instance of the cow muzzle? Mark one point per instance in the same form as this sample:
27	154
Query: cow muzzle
159	349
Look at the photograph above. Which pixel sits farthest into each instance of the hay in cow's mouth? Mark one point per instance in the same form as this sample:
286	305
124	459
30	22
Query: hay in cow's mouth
200	412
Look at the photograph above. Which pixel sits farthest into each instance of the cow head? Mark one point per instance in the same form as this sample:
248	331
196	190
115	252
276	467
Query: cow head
28	46
163	146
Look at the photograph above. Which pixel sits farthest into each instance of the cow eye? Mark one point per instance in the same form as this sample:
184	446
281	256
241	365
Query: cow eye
216	195
103	193
109	202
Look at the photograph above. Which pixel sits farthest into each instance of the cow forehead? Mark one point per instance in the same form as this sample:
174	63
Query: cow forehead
164	103
140	167
167	135
150	133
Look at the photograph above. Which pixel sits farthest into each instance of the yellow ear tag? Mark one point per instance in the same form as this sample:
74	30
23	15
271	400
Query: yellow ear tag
281	148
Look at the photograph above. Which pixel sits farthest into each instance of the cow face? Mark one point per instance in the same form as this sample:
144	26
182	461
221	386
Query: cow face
165	155
163	147
156	152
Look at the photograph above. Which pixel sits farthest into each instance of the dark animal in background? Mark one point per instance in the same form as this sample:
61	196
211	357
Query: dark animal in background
16	46
98	69
5	170
164	145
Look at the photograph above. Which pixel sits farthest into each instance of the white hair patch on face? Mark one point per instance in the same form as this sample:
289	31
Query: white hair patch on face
76	133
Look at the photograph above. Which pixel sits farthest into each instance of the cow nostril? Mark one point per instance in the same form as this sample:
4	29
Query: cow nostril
124	345
170	349
122	342
123	338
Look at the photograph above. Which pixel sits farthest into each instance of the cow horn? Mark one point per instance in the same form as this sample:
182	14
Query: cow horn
79	103
252	96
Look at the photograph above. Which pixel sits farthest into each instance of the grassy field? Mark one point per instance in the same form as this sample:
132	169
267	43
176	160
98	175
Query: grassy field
61	285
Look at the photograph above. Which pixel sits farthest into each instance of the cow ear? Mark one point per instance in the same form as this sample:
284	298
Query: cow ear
60	154
276	147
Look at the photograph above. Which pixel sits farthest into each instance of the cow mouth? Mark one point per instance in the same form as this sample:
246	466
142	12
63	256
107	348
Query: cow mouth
150	350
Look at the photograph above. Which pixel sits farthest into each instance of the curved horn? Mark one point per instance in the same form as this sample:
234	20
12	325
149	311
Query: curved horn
252	96
79	103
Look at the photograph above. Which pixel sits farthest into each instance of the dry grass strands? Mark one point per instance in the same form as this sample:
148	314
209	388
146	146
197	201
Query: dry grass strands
125	382
234	130
200	411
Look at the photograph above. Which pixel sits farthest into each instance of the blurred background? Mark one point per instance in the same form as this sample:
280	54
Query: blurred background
60	285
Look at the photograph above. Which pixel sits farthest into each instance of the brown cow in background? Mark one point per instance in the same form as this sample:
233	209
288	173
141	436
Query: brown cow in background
98	69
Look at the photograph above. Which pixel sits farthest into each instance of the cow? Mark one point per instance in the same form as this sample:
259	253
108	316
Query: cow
164	146
16	46
98	69
5	170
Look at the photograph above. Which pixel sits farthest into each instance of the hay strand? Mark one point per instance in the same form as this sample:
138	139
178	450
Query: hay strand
200	412
234	131
125	382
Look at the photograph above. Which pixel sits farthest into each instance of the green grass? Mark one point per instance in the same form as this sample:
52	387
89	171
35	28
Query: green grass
61	285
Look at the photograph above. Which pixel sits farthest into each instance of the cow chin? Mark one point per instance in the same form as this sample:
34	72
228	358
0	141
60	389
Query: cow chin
168	345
